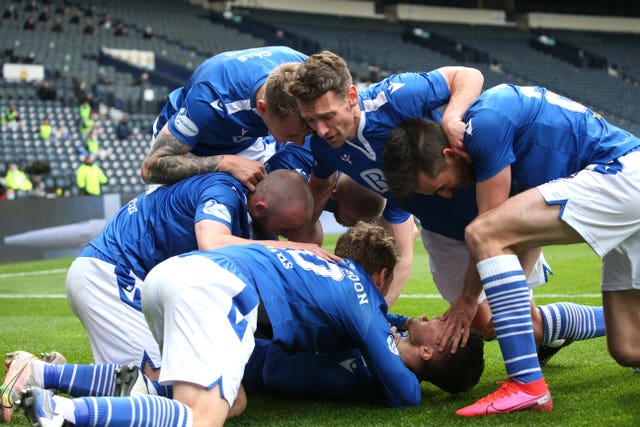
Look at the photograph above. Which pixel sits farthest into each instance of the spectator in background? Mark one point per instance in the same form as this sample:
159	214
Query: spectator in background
10	12
16	180
61	8
93	146
32	6
148	33
86	125
43	16
29	24
123	130
76	18
143	80
106	22
11	118
46	129
61	134
57	26
46	92
121	30
90	28
103	77
90	178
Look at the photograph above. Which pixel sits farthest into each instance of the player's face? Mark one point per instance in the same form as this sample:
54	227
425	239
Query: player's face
458	174
290	128
423	331
334	118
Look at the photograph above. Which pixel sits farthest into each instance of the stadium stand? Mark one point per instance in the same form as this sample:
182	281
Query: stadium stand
187	33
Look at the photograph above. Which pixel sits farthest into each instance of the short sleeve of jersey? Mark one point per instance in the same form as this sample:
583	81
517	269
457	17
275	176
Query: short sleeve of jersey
221	202
196	116
422	93
394	214
489	137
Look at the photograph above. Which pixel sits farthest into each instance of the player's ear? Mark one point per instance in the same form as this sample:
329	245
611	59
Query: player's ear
352	96
262	106
426	352
260	208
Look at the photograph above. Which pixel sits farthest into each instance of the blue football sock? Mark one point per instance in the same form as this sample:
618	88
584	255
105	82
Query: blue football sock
142	411
506	288
569	321
81	380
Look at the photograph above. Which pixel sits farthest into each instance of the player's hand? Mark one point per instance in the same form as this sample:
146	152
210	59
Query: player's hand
248	172
457	323
454	131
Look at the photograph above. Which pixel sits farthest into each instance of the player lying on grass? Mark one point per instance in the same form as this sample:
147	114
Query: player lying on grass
313	305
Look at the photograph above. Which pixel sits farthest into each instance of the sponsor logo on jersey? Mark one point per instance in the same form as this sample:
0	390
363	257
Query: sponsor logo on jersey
255	54
375	179
218	210
132	206
184	124
468	128
391	343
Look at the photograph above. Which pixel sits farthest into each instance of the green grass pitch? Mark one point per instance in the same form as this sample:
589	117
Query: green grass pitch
588	387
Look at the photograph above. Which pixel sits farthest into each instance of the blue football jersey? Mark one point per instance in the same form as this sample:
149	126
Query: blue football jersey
316	306
542	135
291	157
384	105
215	111
160	224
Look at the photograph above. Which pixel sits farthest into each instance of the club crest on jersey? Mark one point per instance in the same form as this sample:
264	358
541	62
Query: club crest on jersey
213	208
184	124
391	343
345	158
468	128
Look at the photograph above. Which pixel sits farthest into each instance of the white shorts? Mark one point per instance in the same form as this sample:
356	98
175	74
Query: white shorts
118	333
448	260
191	305
604	208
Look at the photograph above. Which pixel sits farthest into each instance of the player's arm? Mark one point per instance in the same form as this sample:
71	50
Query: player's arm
465	85
398	383
169	160
405	235
212	234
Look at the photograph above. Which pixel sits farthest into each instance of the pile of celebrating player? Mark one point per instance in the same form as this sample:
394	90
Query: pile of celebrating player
214	282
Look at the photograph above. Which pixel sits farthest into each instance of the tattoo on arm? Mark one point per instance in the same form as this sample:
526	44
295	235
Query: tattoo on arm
169	160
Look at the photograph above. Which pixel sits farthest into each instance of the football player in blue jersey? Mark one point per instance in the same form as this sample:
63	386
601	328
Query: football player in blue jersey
351	128
202	212
203	309
211	123
547	170
351	132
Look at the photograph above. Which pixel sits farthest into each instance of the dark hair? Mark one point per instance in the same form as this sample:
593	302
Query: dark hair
413	146
458	372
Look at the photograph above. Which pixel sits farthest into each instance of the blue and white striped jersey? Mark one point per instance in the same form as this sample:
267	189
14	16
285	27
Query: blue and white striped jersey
160	224
215	111
542	135
319	306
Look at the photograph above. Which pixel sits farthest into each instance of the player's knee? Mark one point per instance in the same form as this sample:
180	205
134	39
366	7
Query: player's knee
626	355
475	235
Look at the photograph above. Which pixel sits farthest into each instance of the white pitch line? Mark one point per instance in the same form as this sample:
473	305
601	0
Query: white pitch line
32	296
32	273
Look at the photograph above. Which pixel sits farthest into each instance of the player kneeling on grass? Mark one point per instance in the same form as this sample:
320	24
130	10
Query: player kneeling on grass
312	304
